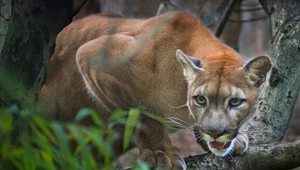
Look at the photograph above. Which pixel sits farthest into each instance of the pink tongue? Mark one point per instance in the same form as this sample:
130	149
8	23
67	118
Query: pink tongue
217	145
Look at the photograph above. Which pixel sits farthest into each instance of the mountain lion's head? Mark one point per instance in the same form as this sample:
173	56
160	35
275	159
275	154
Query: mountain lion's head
222	95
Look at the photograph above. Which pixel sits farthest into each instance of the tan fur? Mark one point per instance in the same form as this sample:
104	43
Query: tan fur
109	63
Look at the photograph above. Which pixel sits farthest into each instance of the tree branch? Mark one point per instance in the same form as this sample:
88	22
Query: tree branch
259	157
214	17
77	7
250	4
221	25
248	20
166	6
264	5
247	10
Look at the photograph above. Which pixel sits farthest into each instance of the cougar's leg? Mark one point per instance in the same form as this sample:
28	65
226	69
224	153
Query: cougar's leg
156	148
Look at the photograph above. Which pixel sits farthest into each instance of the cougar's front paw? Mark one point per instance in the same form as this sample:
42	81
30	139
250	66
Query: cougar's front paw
241	144
160	160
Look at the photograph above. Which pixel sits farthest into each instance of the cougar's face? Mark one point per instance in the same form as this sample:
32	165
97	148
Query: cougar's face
222	95
220	108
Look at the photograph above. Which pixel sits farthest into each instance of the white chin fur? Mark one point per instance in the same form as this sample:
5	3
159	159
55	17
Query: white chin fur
223	152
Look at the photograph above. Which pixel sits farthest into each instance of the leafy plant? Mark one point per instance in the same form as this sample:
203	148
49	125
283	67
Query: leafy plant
29	142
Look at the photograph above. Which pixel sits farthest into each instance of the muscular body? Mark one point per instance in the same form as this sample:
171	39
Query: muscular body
158	64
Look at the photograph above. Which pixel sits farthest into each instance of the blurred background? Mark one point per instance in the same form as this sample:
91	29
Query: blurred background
247	31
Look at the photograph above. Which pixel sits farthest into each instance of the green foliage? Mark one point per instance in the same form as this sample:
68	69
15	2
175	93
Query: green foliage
29	142
130	124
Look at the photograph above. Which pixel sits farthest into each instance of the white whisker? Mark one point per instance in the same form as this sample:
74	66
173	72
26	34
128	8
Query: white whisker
177	123
177	107
229	154
238	142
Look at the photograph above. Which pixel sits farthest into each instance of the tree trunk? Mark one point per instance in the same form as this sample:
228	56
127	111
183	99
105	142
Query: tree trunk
280	92
276	102
27	35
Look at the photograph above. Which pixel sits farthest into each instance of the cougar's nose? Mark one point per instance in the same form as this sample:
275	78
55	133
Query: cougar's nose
215	134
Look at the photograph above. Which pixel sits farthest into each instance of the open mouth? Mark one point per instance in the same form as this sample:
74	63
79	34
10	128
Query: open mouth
219	145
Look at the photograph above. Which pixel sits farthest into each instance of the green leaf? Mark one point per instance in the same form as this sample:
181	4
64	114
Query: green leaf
6	122
96	118
121	121
40	141
44	126
63	144
31	159
159	119
141	166
116	115
14	155
84	112
84	148
129	127
48	160
104	148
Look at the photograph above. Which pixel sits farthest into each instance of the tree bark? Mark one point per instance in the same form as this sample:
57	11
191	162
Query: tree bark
281	89
27	35
276	102
258	157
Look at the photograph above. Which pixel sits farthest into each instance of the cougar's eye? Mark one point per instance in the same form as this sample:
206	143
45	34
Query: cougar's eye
235	102
201	100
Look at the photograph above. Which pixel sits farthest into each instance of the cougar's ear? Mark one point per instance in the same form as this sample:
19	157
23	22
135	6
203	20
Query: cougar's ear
191	66
257	69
